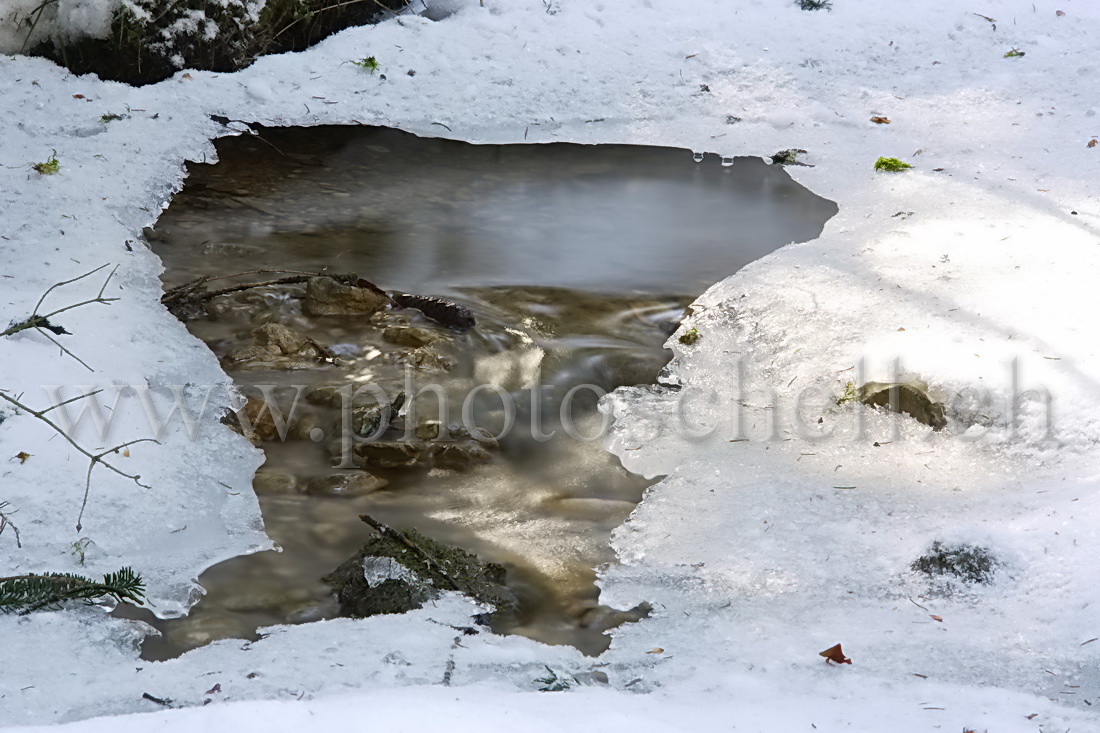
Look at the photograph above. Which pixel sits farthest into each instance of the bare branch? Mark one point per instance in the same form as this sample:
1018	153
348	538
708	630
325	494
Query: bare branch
93	458
5	522
41	322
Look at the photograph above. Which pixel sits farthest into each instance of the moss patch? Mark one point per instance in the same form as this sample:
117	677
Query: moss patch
423	568
969	563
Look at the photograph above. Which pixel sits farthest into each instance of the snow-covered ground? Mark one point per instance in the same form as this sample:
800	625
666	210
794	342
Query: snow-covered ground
765	545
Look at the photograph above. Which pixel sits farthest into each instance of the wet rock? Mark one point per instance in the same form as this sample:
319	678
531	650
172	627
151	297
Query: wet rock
910	398
604	618
389	454
395	572
253	421
427	360
275	346
359	483
412	337
327	297
428	430
458	454
278	339
333	394
969	563
303	426
270	482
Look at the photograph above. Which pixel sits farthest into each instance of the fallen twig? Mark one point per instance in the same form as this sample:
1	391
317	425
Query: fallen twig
93	458
41	322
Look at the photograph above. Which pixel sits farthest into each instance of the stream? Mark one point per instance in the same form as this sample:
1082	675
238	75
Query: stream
576	260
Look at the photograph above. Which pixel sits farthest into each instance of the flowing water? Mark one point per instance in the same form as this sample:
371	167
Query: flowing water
577	261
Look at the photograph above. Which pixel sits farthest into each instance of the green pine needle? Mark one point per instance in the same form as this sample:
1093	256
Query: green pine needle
25	594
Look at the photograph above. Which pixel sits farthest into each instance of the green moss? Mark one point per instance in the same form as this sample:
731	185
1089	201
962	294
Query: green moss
788	157
690	337
891	164
50	167
849	394
369	63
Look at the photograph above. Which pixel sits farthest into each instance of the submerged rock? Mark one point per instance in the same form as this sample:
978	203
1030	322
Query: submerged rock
455	454
270	482
359	483
327	297
275	346
411	336
910	398
395	572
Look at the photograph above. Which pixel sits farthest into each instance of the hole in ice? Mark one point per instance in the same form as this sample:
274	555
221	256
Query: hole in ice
576	261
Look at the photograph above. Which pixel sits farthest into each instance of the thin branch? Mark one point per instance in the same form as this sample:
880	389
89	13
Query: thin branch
93	458
5	522
41	322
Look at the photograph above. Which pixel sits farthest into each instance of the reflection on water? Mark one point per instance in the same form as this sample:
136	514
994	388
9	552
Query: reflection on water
577	260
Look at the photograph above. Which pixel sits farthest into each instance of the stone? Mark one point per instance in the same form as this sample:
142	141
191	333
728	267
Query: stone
358	483
461	455
271	482
384	454
428	430
910	398
328	297
278	339
395	572
411	336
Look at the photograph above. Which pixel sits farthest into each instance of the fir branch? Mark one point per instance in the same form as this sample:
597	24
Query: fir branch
28	593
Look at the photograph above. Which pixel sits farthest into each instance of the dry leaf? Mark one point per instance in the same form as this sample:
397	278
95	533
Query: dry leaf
1093	143
126	452
901	329
1032	716
880	120
23	456
186	76
78	96
836	655
215	689
1060	13
934	617
656	650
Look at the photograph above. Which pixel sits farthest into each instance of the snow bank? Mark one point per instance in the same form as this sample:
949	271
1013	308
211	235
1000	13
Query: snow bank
24	23
758	553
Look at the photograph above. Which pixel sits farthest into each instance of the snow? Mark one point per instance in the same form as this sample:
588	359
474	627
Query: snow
752	556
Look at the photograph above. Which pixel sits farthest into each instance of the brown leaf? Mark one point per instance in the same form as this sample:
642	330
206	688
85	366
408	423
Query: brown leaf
126	452
23	456
656	650
934	617
1060	13
215	689
1032	716
78	96
836	655
880	120
1093	143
